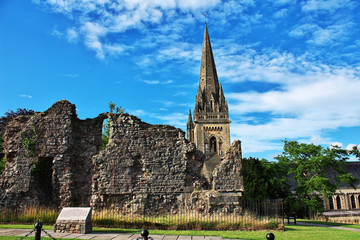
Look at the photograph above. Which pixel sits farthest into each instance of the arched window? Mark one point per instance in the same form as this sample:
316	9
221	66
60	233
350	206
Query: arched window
338	202
212	144
331	203
353	203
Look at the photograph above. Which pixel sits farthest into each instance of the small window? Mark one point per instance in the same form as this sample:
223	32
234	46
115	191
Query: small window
212	144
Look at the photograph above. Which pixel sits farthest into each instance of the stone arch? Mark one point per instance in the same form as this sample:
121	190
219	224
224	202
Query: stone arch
338	202
353	202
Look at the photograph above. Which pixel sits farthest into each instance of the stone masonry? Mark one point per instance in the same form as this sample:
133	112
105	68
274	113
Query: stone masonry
54	158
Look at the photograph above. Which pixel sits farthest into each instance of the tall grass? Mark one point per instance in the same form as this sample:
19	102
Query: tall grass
182	221
29	215
177	220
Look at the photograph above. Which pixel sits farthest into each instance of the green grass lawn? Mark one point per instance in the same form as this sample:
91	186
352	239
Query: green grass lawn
292	232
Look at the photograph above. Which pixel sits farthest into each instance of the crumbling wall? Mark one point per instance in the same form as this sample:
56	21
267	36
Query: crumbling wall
54	158
144	165
226	176
48	155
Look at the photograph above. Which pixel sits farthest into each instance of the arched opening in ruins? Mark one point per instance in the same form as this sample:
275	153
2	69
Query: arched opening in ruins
42	173
213	144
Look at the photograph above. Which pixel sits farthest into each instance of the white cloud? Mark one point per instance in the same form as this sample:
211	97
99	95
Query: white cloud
304	29
57	33
281	13
156	82
72	35
26	96
312	97
138	112
351	146
282	2
174	119
93	32
115	49
329	6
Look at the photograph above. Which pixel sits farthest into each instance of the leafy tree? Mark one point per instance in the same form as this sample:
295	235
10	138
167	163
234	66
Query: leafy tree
111	106
255	179
355	151
278	186
8	116
263	179
316	172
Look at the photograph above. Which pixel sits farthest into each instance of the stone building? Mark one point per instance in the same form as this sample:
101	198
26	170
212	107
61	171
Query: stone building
210	128
346	200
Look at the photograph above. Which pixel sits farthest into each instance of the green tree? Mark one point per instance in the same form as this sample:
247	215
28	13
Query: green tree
111	106
255	179
355	151
263	179
316	172
8	116
277	177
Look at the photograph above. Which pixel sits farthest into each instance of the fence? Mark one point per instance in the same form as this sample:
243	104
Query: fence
247	215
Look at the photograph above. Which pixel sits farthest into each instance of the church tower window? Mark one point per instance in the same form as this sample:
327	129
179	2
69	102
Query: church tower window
213	144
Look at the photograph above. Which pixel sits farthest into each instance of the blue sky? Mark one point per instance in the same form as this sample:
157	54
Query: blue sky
289	69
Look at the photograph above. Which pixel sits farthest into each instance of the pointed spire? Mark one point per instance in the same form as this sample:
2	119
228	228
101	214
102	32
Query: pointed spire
208	75
190	117
221	94
210	97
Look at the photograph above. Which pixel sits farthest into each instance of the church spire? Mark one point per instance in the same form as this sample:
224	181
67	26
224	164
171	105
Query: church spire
209	127
208	75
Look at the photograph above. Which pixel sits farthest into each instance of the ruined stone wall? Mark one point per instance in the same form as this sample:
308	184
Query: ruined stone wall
226	176
145	164
55	158
48	155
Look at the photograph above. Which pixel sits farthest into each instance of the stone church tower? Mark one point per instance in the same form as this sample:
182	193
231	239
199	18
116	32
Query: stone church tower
210	129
